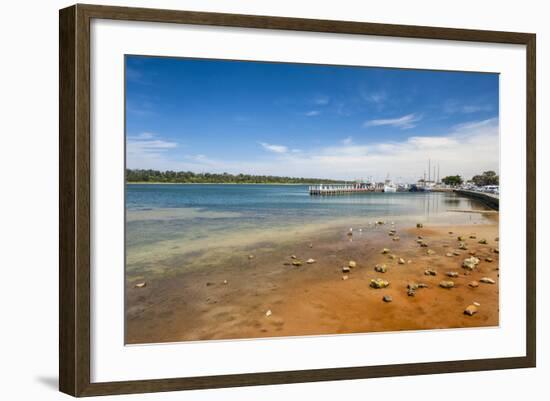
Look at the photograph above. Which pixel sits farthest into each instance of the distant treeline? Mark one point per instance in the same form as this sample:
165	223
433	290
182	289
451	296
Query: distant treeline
188	177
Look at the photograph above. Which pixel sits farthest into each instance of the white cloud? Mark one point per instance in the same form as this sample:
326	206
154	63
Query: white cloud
274	148
452	106
404	122
312	113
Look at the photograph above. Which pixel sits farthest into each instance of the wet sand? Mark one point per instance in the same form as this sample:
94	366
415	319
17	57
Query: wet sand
254	291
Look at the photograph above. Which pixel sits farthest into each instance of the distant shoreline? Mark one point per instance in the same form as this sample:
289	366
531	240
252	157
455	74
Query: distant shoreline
217	183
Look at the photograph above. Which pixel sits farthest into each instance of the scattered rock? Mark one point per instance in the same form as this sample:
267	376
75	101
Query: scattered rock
401	261
310	261
422	285
496	239
412	286
419	237
476	303
419	241
456	253
488	259
450	232
391	233
311	245
487	280
392	257
385	251
473	284
419	225
430	252
346	269
472	253
225	281
482	241
250	256
268	313
292	256
446	284
470	310
345	277
297	263
449	254
411	292
396	238
430	272
452	274
287	263
379	283
387	298
461	238
352	263
495	250
380	268
473	236
462	246
379	223
424	245
141	285
208	283
470	263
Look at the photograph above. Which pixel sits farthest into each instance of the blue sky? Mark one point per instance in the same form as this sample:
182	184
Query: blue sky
308	120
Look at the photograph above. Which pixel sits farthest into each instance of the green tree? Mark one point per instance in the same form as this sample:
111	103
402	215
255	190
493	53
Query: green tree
453	180
487	178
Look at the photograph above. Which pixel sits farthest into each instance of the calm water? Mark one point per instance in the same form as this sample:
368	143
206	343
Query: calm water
156	213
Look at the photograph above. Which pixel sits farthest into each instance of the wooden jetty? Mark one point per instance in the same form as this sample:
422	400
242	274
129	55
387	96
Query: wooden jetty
340	189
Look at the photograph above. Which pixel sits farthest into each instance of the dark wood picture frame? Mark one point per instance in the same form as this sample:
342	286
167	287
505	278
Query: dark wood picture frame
74	199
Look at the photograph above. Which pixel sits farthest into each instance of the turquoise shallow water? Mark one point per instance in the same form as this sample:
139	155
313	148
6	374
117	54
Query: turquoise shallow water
157	213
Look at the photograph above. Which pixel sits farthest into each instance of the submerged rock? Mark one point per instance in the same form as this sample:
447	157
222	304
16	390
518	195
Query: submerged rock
379	283
446	284
297	263
470	310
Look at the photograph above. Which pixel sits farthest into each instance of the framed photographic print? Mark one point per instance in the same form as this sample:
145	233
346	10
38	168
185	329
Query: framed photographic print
250	200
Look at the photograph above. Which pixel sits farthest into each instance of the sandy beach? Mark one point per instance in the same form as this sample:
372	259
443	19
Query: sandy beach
254	290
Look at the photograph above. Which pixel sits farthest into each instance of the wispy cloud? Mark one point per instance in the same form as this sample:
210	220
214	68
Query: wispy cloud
405	122
146	147
453	106
377	97
274	148
347	141
321	100
312	113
